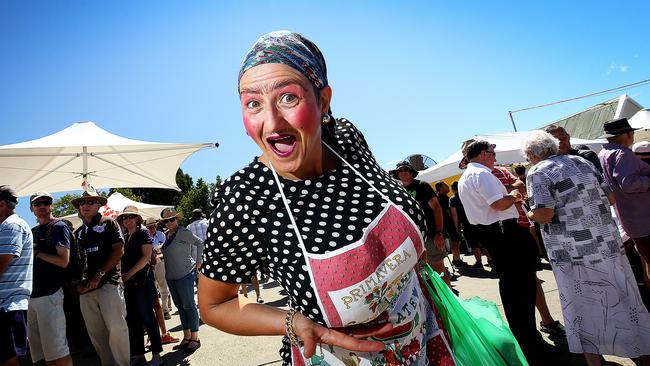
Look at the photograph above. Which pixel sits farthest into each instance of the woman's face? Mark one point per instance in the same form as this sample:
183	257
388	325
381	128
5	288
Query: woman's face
129	221
282	114
171	224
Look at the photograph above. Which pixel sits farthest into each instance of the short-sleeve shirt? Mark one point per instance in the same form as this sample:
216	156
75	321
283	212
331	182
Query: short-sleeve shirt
446	213
199	228
96	240
629	178
250	228
158	239
423	193
582	229
179	249
479	188
507	179
48	277
16	282
133	252
455	202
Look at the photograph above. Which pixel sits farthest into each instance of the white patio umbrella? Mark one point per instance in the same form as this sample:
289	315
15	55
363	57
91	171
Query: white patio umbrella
115	206
85	154
508	150
641	119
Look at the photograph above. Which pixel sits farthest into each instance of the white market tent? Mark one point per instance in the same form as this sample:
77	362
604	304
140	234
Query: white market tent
508	150
115	206
87	154
641	120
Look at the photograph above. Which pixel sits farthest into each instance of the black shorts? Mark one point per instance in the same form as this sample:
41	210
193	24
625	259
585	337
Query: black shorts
471	237
13	334
452	233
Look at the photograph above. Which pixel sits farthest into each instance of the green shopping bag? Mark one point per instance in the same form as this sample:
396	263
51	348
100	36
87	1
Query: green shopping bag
479	336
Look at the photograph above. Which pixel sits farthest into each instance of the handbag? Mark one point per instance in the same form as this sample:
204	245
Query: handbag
478	334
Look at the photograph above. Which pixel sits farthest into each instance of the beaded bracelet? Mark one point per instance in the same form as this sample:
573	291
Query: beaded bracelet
288	326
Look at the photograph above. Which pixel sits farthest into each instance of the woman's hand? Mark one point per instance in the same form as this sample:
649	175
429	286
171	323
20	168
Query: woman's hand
311	333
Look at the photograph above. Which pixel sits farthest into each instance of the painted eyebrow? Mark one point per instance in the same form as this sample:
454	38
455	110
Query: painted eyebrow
273	86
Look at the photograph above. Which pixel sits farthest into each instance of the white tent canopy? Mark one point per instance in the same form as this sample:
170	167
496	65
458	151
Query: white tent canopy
508	150
115	206
641	120
84	153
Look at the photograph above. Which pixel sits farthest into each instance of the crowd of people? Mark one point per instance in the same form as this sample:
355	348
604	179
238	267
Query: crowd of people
344	238
109	281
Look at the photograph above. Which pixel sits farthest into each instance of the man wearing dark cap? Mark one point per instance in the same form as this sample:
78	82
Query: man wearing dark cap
46	318
198	227
629	178
492	212
16	245
426	197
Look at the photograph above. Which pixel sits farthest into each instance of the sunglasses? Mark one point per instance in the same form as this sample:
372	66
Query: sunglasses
165	221
490	152
126	217
401	170
41	203
88	202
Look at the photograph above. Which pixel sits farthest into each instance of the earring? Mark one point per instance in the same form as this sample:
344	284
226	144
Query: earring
326	119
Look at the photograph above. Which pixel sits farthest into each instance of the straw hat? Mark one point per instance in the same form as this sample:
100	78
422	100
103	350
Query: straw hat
150	221
170	213
130	210
89	195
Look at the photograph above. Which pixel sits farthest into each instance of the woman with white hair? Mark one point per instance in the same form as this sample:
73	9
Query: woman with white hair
602	308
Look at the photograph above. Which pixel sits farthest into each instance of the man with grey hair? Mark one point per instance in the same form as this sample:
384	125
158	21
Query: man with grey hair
16	243
601	305
491	209
565	147
629	178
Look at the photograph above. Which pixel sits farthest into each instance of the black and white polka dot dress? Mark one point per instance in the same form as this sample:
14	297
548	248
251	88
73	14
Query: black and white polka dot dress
250	229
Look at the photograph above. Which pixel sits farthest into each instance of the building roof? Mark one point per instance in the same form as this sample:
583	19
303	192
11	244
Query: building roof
588	124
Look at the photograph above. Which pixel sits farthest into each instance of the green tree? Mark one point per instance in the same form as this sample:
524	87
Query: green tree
62	206
197	197
163	196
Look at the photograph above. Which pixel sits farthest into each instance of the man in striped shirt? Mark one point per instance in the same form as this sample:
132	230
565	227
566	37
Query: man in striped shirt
16	244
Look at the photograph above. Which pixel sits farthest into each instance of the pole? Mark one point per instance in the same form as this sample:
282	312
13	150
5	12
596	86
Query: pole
512	120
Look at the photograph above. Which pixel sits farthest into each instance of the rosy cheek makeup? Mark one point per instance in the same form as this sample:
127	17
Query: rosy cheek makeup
306	119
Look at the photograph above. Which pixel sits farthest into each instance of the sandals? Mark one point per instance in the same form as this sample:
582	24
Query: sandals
182	345
193	345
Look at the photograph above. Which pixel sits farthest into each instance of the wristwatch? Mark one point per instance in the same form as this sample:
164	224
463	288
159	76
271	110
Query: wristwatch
101	273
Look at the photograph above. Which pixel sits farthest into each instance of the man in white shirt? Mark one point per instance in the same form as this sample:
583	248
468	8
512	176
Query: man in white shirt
492	210
198	227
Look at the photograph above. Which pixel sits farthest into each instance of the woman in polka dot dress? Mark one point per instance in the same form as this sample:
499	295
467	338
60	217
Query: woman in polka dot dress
317	213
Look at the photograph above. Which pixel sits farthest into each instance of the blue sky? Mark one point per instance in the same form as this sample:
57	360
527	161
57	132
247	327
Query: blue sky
415	77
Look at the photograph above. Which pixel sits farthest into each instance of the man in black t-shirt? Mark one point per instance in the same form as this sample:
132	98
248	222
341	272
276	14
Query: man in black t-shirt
426	197
450	230
102	295
45	315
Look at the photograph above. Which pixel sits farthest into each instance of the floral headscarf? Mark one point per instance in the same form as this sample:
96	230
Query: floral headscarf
291	49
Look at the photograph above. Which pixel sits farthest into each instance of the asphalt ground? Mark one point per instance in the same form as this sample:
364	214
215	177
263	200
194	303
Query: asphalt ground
219	348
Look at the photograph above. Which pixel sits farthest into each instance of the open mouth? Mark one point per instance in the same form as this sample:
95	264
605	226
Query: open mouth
282	145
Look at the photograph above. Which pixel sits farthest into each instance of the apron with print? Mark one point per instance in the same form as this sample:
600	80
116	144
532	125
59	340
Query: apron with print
373	279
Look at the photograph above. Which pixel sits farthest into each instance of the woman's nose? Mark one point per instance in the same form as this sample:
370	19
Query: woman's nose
274	120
